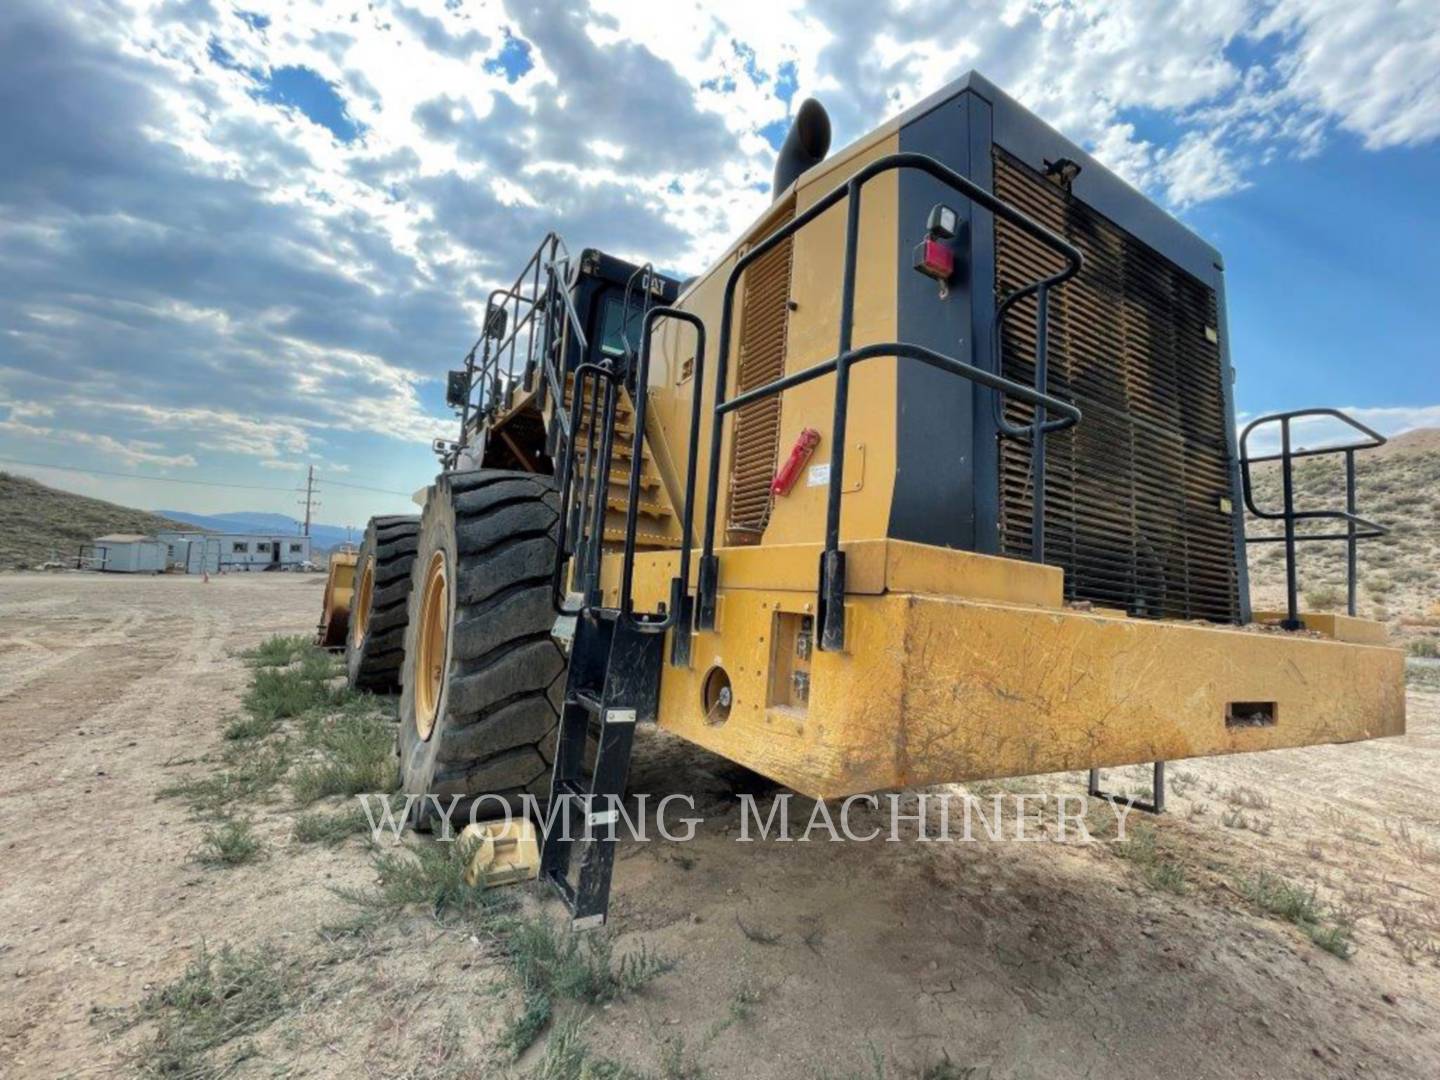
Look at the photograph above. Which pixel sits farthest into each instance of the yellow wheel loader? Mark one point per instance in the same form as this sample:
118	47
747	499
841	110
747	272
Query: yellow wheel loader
933	476
334	623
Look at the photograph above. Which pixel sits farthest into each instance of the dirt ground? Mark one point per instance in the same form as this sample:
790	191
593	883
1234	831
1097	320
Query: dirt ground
995	959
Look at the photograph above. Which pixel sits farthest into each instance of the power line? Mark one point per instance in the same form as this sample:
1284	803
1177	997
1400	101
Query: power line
139	476
362	487
181	480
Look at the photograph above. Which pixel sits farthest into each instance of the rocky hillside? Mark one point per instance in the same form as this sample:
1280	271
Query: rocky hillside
39	523
1398	486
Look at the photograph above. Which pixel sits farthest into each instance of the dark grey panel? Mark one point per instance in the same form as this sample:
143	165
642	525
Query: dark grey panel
935	463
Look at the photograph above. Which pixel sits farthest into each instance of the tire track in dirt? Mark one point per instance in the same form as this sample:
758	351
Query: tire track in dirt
111	902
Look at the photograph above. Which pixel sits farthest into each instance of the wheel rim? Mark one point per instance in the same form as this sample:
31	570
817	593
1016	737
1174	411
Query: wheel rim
361	621
434	632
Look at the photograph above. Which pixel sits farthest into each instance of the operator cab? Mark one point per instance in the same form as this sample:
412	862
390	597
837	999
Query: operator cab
504	390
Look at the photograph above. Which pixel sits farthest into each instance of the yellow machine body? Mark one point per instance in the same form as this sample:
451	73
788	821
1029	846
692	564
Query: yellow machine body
335	607
956	665
961	666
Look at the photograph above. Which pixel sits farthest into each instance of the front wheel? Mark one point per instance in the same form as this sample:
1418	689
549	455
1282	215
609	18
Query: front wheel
483	680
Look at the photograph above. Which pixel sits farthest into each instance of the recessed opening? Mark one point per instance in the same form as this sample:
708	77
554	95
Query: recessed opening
716	697
1249	713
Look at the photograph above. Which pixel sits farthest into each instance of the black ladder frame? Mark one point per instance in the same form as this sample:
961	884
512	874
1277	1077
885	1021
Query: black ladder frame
617	653
613	684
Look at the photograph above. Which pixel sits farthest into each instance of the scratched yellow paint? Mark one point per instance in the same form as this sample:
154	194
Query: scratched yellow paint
936	688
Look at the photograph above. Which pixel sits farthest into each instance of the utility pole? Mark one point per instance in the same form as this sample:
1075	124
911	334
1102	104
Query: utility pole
309	502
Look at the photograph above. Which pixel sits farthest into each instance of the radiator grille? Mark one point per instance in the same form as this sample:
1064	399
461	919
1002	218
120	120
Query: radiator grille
764	315
1135	494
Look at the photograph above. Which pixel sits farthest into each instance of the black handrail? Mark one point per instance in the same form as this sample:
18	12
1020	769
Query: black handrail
564	545
549	309
489	380
832	564
678	613
1356	527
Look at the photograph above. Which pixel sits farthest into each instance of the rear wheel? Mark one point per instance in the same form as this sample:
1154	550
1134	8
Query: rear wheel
483	680
379	611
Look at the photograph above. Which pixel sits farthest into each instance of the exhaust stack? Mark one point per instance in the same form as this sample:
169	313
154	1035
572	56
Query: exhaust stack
805	145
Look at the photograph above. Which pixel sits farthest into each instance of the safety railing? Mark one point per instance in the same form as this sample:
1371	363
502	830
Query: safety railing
576	544
538	311
1357	528
584	497
831	591
678	613
584	476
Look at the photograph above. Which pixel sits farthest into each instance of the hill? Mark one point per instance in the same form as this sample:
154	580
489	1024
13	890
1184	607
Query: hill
1398	486
39	523
322	537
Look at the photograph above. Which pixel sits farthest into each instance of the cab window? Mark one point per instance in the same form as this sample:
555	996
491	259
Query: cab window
613	325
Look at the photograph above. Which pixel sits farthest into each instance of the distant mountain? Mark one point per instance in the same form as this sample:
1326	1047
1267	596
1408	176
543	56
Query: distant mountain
39	523
322	537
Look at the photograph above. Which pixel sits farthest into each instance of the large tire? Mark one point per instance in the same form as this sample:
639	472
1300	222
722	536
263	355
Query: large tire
375	643
479	712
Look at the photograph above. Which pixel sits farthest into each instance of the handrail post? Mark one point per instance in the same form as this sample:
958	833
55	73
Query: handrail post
831	588
678	614
1292	599
1350	545
707	583
1037	435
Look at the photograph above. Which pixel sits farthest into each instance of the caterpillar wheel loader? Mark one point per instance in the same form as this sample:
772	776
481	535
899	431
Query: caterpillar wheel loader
334	623
933	476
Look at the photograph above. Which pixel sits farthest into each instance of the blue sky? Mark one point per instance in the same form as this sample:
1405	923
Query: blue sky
240	239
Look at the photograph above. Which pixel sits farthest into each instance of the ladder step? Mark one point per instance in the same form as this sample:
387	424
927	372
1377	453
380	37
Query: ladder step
587	701
648	481
564	888
623	433
573	788
647	509
643	539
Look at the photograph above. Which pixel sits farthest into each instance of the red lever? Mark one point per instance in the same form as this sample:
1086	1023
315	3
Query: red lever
788	473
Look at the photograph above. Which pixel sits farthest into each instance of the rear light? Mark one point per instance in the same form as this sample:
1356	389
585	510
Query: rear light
934	259
788	473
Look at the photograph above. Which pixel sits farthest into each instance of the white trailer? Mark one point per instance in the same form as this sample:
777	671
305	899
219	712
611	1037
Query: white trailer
262	551
126	553
197	552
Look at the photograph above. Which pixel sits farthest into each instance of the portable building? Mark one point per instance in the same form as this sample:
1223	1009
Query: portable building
127	553
195	552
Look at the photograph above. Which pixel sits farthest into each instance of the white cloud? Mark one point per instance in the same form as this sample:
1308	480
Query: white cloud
1372	65
1198	168
125	452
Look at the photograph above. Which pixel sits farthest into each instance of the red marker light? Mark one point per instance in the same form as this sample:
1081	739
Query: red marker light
935	259
788	473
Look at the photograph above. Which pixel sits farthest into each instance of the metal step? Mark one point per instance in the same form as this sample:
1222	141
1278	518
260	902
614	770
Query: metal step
643	539
618	503
629	662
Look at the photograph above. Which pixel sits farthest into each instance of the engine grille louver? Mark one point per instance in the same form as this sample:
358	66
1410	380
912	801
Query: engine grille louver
755	448
1135	494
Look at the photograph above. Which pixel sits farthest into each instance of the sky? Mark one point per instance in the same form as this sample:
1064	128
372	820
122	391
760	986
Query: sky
238	240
